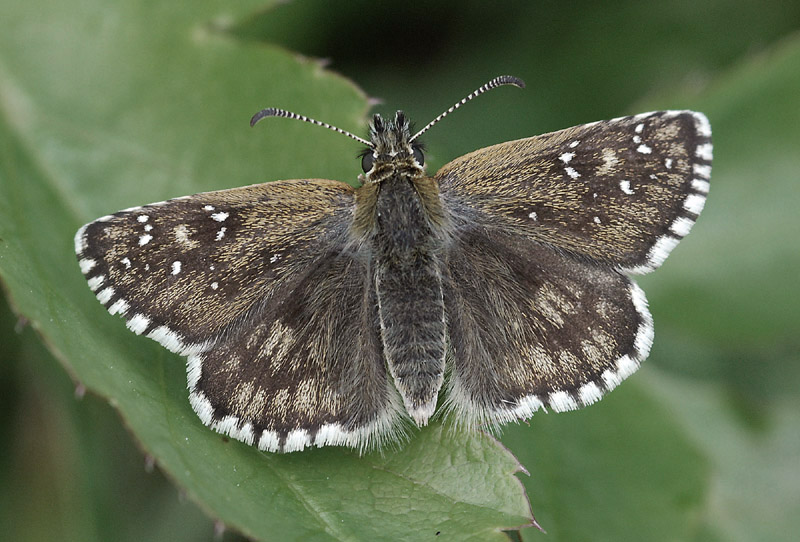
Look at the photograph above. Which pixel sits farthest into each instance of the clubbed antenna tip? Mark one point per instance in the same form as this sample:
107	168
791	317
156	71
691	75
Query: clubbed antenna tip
275	112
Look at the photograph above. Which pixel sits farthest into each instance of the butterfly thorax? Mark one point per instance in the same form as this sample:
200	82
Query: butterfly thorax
395	160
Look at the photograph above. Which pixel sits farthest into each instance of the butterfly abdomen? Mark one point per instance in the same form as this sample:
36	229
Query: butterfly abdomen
409	290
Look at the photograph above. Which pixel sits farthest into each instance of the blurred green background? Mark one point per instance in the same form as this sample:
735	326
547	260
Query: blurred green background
106	105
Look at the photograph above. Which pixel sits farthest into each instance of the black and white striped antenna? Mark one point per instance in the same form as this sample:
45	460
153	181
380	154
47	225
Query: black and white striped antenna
275	112
494	83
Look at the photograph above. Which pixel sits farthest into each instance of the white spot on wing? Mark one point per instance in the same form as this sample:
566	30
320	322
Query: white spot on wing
659	252
220	234
96	281
626	367
703	126
214	285
533	215
105	295
561	401
229	425
656	255
527	406
639	128
572	173
574	144
644	335
700	185
142	218
169	340
274	258
144	239
705	151
644	149
126	262
209	208
269	441
176	267
220	217
203	408
120	306
702	171
694	203
590	393
87	265
138	323
597	220
611	379
566	157
331	433
80	239
296	440
625	186
668	163
245	434
681	226
194	366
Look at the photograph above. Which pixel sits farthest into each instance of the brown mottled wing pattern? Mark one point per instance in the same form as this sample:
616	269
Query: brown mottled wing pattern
540	312
235	279
307	370
621	192
530	327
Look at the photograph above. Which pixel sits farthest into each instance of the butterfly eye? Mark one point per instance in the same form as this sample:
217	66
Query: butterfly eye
367	160
418	155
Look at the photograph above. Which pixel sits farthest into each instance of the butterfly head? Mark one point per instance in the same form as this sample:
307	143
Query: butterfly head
391	148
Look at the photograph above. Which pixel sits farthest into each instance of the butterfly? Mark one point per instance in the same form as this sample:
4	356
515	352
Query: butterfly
313	313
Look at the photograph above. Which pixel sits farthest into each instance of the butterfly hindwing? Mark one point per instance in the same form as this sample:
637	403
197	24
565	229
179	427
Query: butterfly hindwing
621	192
307	369
530	327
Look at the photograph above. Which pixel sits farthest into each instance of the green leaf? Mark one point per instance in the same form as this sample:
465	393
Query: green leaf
621	470
145	102
107	106
68	469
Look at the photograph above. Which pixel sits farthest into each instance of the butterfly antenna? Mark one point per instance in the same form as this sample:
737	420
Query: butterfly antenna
494	83
274	112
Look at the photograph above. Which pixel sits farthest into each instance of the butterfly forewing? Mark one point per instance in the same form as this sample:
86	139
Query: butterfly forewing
621	192
184	270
